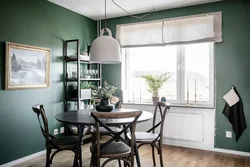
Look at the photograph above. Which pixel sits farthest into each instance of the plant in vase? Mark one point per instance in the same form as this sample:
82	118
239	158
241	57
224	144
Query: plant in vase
155	83
104	93
86	90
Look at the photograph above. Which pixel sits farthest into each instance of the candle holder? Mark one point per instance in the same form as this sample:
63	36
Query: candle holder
187	99
195	102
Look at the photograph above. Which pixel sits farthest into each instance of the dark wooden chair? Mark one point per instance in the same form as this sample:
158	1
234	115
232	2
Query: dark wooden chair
116	148
102	130
52	142
150	137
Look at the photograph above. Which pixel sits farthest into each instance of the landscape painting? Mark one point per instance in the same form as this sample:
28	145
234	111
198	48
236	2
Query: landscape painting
26	66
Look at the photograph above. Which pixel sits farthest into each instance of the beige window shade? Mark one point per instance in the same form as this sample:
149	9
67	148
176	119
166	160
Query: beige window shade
184	30
140	34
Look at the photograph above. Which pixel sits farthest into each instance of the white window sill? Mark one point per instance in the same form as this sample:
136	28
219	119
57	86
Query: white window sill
174	105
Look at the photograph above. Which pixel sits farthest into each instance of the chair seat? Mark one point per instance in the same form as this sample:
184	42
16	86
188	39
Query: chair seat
103	131
67	142
144	136
114	148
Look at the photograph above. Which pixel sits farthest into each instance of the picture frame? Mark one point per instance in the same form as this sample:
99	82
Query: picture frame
26	66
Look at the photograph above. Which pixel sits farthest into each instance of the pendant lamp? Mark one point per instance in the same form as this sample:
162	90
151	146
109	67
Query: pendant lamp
105	49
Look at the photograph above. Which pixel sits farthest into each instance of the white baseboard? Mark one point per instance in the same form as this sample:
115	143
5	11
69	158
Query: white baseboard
180	144
24	159
189	144
247	154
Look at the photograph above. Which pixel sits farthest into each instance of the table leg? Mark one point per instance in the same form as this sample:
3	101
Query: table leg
78	147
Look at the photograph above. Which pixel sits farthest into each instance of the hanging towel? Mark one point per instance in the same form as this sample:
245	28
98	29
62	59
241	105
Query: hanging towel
236	117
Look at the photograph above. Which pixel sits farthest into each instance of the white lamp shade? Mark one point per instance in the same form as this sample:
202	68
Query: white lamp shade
105	50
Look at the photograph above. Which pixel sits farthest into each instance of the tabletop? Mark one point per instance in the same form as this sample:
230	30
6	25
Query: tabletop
82	117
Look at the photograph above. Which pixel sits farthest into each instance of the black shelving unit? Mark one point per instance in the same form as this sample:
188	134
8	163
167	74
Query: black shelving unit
75	59
72	58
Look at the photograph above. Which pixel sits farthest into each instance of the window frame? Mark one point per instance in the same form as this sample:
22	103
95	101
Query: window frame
180	70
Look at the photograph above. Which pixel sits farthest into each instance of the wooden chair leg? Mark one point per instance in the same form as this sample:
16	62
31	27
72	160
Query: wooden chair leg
93	139
132	161
98	163
160	154
48	162
91	161
153	154
124	163
119	162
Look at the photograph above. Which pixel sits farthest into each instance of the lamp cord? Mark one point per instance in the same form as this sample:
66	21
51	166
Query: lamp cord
105	15
137	17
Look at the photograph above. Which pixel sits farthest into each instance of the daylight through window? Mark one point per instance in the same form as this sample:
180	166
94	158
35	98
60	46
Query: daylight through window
191	68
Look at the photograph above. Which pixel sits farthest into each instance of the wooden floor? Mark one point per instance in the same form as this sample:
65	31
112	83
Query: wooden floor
173	157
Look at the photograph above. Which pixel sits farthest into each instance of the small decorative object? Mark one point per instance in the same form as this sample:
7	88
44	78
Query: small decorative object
85	53
86	74
155	83
84	56
73	90
195	94
187	99
104	93
26	66
163	99
187	94
74	75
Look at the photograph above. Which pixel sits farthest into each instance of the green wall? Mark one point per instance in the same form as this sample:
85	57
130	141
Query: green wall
44	24
232	59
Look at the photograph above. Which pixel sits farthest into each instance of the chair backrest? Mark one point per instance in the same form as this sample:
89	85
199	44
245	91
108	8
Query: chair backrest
162	108
99	116
39	110
120	100
118	104
117	101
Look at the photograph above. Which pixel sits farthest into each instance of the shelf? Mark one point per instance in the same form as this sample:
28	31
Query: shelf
75	99
71	80
83	79
90	79
74	59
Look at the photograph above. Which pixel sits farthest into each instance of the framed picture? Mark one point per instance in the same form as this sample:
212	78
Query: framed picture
26	66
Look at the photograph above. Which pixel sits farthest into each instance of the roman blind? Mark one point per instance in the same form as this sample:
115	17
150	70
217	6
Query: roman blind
181	30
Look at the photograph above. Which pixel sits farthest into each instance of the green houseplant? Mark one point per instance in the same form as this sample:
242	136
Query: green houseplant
155	83
86	90
104	93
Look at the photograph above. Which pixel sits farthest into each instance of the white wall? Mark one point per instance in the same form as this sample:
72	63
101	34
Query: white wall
209	120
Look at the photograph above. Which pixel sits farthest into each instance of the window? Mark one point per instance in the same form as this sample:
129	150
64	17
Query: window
188	65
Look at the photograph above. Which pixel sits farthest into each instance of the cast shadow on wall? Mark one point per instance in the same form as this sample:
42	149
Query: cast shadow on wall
2	64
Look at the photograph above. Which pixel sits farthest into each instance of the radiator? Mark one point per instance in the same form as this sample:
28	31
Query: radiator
184	126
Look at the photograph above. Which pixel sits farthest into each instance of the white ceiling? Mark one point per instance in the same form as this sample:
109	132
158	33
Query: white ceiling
95	8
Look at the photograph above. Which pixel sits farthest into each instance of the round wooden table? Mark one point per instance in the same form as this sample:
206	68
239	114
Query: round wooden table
82	118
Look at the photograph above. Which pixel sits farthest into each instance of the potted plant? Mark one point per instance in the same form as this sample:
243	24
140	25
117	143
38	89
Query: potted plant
155	83
86	90
104	93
